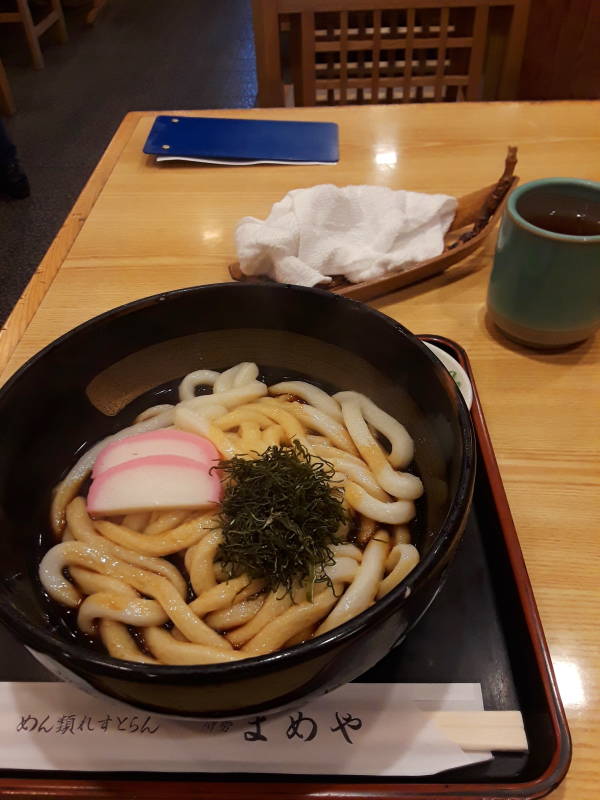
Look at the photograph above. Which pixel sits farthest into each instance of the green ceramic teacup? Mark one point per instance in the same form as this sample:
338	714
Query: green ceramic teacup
545	285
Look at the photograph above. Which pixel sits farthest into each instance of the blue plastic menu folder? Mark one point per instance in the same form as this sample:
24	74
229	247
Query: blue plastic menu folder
217	140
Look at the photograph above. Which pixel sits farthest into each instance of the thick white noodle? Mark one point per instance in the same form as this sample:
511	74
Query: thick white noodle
201	377
311	394
401	534
313	418
151	585
118	642
231	398
233	419
406	557
273	606
247	372
363	589
188	420
209	411
233	378
237	615
403	485
402	452
169	650
292	621
202	569
52	579
82	529
278	412
161	544
91	582
352	468
343	571
120	608
347	550
225	380
153	411
273	436
137	521
218	597
163	522
401	511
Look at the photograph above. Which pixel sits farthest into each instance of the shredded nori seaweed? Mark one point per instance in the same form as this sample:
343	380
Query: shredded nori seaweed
280	514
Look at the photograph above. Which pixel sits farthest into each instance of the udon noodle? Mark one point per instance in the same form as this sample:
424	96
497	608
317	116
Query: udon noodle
150	583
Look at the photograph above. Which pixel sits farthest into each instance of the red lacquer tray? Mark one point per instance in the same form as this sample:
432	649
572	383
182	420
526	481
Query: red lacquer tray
502	646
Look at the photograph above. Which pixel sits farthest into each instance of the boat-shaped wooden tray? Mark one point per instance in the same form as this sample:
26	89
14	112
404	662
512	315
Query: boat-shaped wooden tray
476	216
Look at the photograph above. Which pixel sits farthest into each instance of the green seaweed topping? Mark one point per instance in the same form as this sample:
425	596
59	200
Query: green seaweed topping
280	515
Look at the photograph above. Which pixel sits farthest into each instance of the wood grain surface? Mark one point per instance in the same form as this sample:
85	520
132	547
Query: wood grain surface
561	56
154	228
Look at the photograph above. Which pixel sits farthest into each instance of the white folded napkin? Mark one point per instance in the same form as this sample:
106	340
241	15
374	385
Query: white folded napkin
360	232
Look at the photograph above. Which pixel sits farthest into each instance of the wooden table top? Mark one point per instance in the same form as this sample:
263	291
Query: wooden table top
137	230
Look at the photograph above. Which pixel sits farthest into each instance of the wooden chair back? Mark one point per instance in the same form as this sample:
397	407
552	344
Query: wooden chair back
388	51
54	18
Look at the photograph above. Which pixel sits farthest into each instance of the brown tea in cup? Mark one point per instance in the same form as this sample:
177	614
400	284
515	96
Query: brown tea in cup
560	213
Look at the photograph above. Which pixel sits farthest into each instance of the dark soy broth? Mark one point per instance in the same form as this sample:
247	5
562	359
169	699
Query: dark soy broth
559	211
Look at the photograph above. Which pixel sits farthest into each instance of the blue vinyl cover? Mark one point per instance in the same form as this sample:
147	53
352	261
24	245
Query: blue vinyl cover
217	137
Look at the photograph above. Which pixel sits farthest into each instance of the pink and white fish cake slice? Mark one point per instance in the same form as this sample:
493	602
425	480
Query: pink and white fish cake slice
164	442
157	482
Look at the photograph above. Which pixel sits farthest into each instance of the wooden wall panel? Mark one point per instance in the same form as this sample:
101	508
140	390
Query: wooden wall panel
562	51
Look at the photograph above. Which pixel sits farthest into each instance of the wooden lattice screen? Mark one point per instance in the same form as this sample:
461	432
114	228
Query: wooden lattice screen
370	52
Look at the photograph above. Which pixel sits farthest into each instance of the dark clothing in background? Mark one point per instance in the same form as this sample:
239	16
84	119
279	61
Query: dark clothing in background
8	152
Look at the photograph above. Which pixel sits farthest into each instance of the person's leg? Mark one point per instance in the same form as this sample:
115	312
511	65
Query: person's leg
8	152
13	180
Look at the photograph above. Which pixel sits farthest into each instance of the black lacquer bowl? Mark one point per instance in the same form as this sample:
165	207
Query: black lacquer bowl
95	379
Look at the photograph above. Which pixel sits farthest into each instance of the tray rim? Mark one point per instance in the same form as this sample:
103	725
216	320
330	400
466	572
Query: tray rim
161	787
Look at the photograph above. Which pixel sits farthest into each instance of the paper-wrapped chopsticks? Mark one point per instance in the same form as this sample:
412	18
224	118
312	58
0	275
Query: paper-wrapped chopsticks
482	730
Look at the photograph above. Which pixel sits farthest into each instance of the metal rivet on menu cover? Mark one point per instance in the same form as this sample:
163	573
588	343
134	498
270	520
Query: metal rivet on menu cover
174	119
166	147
